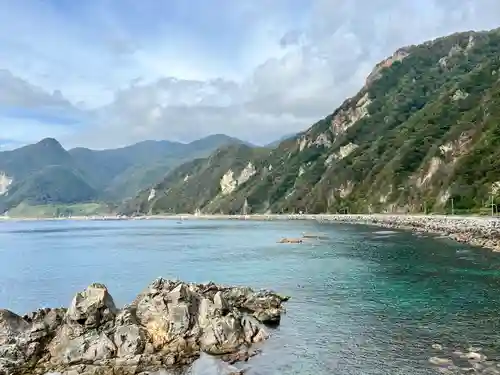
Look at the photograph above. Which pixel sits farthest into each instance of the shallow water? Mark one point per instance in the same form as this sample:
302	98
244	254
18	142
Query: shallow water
363	301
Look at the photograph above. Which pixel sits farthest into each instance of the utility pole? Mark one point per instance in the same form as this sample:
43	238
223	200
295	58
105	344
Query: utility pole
452	207
494	207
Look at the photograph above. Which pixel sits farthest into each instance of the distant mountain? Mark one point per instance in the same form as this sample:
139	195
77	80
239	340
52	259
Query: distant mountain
45	173
24	161
54	184
121	173
41	173
281	139
423	133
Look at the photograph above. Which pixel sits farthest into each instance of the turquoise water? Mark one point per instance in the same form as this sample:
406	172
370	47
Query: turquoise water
364	301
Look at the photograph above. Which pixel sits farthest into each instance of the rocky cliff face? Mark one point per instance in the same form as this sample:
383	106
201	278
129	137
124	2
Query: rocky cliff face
168	325
5	182
423	131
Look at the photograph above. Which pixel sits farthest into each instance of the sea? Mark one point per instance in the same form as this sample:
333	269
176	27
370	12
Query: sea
363	300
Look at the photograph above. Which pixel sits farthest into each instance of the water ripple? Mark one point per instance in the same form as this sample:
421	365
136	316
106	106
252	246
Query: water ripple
363	301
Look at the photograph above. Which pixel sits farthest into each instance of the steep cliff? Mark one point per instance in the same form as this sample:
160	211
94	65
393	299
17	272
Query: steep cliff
421	133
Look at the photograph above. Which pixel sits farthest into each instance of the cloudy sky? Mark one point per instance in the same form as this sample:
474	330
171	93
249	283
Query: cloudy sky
105	73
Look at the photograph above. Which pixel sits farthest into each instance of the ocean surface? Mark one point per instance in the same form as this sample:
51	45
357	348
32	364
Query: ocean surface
364	301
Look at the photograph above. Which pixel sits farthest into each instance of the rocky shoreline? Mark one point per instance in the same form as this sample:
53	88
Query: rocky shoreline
166	329
476	231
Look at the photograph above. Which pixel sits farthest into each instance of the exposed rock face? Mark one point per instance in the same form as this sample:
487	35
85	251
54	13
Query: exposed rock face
167	326
346	118
344	151
5	182
248	172
152	195
229	183
399	55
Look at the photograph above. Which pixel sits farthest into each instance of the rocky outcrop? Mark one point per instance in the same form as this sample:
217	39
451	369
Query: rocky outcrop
167	326
399	55
5	182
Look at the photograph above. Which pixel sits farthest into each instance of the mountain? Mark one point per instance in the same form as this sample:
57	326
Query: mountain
201	182
41	173
45	173
277	142
121	173
423	133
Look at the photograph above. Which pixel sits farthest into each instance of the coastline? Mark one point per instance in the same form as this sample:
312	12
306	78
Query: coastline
480	231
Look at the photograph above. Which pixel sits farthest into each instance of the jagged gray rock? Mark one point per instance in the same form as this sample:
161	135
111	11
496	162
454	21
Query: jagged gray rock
168	325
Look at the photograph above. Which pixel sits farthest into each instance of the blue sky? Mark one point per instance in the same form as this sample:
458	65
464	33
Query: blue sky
105	73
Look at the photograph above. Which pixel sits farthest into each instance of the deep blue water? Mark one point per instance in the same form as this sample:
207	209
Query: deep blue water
363	301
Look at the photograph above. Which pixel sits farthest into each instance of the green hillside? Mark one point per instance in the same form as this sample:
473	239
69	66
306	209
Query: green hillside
198	183
26	160
52	184
121	173
41	173
46	175
423	131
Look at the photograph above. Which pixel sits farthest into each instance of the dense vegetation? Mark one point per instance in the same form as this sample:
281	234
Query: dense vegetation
423	134
121	173
46	174
197	183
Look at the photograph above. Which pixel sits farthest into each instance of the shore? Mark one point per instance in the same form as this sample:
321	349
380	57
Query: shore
473	230
478	231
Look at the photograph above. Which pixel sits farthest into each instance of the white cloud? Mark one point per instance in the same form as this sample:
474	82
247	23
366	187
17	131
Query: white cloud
182	70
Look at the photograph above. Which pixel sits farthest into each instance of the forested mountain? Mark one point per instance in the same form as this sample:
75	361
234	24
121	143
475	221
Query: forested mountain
423	131
201	183
121	173
39	174
45	173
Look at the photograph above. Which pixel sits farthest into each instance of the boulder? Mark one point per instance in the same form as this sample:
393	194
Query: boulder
168	325
92	307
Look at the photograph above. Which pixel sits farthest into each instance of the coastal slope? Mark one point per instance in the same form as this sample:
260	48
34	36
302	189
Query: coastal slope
422	134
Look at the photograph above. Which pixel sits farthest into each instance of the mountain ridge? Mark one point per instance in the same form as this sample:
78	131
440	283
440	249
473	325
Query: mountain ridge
46	173
420	134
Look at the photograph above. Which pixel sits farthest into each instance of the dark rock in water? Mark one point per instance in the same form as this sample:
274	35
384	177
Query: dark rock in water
166	328
291	240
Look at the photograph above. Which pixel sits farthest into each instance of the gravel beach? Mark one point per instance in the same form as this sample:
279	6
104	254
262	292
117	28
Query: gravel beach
477	231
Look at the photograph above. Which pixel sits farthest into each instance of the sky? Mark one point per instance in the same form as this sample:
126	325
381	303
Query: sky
107	73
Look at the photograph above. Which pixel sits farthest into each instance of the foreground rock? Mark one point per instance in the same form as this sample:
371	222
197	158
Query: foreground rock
167	326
